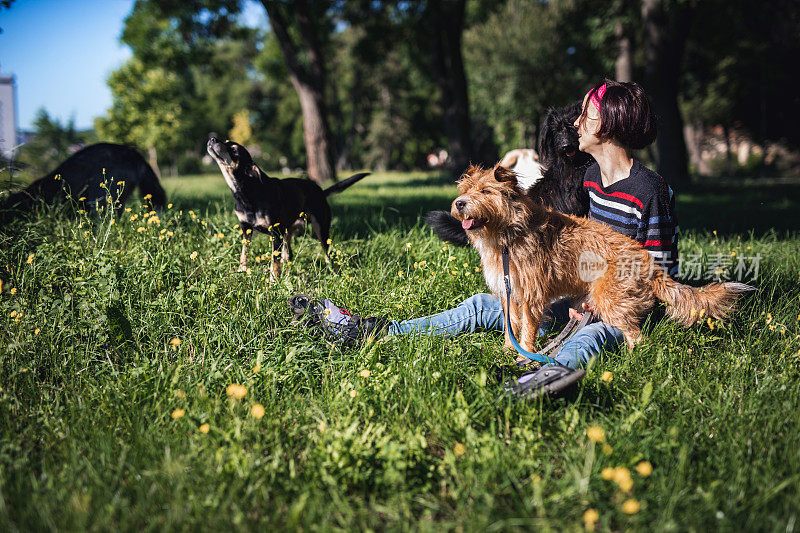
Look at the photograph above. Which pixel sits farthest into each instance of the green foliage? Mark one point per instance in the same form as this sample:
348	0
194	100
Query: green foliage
151	108
525	57
52	143
119	339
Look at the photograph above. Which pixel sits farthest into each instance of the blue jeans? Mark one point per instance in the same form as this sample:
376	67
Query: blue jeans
484	311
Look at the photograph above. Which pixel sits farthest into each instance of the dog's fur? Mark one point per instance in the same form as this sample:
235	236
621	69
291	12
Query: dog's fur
93	173
563	169
546	249
274	206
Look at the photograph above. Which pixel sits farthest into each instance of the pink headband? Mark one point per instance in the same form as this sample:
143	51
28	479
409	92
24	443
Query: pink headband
598	95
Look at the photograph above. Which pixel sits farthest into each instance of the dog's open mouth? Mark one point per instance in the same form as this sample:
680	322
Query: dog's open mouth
472	223
570	152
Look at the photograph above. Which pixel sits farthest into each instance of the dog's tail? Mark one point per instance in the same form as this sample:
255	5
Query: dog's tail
342	185
447	228
149	184
689	305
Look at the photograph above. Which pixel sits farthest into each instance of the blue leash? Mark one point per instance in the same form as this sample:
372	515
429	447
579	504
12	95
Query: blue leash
555	344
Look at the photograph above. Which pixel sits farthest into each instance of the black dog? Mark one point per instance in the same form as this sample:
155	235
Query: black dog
91	175
561	186
274	206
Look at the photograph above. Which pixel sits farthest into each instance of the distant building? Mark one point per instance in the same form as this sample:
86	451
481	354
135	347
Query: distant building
8	115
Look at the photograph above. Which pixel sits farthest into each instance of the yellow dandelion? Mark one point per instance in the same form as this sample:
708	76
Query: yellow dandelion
364	373
258	411
330	241
169	206
30	259
147	196
82	198
607	473
622	477
590	517
36	331
236	391
596	434
644	468
140	229
204	428
408	245
256	369
607	449
769	318
607	376
177	413
193	255
13	314
175	342
452	259
180	394
459	449
630	506
466	265
710	323
353	393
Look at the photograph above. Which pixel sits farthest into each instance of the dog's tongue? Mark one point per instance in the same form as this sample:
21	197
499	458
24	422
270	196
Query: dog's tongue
467	223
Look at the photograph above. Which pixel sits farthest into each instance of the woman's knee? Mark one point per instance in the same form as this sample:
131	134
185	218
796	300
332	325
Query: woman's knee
482	301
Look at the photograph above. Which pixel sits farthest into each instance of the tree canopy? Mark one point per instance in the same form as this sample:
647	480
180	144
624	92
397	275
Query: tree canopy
378	80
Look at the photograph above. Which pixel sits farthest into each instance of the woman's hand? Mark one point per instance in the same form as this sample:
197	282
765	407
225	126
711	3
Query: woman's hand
579	316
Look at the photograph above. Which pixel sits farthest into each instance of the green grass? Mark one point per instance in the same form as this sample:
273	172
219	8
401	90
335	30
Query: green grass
89	380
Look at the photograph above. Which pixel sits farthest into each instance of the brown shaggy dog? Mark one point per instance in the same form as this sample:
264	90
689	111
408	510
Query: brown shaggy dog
554	255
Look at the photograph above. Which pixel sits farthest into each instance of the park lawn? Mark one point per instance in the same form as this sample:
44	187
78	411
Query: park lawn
119	341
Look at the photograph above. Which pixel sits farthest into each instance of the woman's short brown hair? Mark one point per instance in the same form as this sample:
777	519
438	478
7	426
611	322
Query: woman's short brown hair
626	114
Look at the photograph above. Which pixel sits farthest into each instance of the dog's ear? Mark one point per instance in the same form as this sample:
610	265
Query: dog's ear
547	148
254	171
503	174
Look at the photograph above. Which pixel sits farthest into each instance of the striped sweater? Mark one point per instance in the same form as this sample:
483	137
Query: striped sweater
641	206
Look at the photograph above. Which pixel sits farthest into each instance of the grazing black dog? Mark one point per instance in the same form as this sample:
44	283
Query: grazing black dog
561	186
91	175
274	206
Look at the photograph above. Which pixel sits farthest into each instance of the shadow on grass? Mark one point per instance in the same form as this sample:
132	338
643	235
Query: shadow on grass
393	203
732	209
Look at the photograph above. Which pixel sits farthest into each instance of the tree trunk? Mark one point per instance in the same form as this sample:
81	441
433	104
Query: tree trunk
447	20
309	82
152	157
624	63
693	133
665	39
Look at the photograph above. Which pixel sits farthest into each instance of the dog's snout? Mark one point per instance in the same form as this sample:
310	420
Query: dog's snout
460	204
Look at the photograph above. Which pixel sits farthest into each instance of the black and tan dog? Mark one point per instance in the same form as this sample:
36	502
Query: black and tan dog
272	205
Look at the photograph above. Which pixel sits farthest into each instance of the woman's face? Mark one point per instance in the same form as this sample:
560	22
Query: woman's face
588	124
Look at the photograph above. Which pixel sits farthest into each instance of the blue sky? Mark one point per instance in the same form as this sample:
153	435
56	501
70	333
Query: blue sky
62	51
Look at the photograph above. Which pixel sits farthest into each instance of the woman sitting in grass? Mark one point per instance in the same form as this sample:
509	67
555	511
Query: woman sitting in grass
617	118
